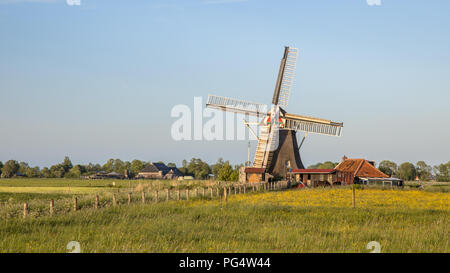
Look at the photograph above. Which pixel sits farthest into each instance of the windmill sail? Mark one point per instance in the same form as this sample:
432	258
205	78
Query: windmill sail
285	77
313	125
236	106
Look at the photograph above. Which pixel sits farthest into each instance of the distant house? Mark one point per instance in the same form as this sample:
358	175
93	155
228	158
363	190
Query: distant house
351	171
159	171
348	172
105	175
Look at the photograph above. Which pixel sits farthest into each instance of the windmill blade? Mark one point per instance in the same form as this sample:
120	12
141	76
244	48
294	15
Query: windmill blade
236	106
313	125
285	77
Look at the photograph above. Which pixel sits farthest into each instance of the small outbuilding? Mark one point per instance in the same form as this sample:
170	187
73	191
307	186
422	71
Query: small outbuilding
314	177
159	171
251	175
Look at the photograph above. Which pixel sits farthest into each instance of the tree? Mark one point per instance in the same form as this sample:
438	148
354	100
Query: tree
57	171
46	173
198	168
23	168
93	168
172	165
423	171
442	172
67	164
407	171
76	171
115	165
325	165
388	167
1	166
137	166
225	172
10	169
216	167
33	172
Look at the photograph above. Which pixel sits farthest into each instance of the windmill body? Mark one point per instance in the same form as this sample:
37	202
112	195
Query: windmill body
277	149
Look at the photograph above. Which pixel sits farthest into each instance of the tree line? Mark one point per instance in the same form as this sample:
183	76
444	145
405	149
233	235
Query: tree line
221	170
196	168
406	171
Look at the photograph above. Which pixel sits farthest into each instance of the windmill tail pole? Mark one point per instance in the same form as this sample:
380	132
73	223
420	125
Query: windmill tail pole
303	140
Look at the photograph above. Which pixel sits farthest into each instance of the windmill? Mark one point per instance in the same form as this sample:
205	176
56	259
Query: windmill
278	149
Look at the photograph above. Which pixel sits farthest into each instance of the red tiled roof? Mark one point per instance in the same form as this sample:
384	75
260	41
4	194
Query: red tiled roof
360	168
313	170
254	170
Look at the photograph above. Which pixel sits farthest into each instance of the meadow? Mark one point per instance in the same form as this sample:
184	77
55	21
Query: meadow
295	220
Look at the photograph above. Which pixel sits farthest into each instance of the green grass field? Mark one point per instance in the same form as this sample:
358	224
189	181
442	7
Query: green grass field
316	220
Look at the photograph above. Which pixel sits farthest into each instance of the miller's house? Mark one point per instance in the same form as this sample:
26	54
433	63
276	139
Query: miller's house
159	171
349	171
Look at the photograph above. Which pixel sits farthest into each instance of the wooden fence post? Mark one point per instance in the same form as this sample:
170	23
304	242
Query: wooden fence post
52	204
187	194
245	186
234	188
203	192
25	210
96	202
167	195
178	195
129	198
218	192
353	196
225	194
211	191
156	196
75	203
196	192
114	199
143	197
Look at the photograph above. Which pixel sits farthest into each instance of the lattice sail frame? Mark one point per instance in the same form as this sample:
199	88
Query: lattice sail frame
237	106
285	78
312	125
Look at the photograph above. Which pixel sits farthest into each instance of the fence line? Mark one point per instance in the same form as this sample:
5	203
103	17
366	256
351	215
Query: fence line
220	192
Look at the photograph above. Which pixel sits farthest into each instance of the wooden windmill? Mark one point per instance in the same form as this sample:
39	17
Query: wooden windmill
277	149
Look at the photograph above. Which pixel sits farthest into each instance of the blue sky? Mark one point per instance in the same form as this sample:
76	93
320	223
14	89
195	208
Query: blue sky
99	80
